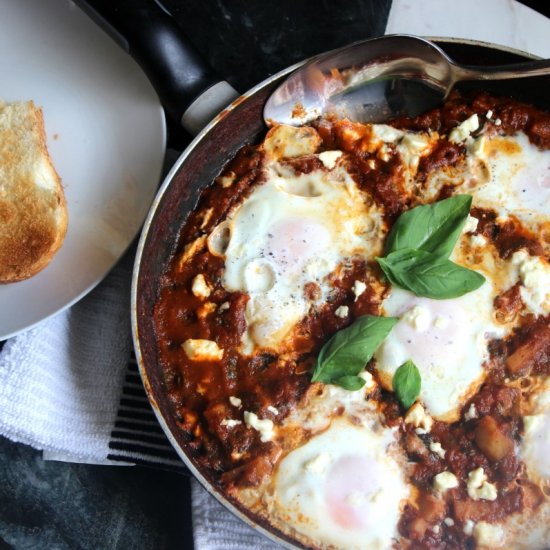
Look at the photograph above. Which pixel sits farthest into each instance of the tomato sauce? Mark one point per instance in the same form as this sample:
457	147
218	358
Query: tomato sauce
200	392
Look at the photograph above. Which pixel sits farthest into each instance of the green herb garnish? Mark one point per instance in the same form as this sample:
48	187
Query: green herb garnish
345	355
418	248
433	227
406	383
428	275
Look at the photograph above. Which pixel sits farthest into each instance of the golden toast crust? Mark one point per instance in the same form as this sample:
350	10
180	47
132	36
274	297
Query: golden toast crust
33	209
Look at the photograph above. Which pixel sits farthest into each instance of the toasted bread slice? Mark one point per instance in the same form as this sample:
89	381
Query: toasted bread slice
33	210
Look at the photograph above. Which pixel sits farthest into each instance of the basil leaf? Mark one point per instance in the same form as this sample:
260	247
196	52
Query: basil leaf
351	383
433	227
350	349
428	275
406	383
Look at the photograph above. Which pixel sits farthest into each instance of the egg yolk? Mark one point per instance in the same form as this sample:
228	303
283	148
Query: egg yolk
293	242
353	483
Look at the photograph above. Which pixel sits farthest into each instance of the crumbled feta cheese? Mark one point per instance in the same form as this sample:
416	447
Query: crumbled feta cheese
235	401
468	527
224	306
471	413
487	491
202	350
488	535
489	114
412	147
206	309
471	224
386	133
329	158
272	409
200	287
449	522
227	180
368	378
351	134
264	427
476	478
498	122
478	487
534	273
318	464
462	131
384	153
358	288
436	529
342	312
418	417
415	143
444	481
191	249
478	240
418	317
436	448
230	423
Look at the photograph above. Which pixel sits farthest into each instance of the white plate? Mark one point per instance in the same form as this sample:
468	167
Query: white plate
106	135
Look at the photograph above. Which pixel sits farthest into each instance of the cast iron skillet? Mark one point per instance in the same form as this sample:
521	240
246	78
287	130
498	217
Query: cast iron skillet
238	124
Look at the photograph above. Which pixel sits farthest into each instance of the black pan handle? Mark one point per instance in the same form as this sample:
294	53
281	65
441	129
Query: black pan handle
188	88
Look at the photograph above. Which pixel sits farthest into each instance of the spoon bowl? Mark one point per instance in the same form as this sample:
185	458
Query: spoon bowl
379	79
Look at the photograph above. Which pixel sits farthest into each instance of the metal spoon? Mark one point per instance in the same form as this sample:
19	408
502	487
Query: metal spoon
376	80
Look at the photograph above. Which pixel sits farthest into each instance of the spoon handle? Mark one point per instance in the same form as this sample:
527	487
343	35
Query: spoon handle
502	72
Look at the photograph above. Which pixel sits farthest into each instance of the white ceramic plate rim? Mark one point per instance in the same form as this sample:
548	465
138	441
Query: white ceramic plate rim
106	135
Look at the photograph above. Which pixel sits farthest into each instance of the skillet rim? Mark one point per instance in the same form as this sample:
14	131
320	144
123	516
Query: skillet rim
248	517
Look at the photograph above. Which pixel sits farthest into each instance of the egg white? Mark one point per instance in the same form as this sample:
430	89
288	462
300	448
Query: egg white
446	340
507	174
535	445
295	229
343	488
322	403
518	180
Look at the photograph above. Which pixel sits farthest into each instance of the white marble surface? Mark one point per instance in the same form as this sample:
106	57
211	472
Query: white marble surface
504	22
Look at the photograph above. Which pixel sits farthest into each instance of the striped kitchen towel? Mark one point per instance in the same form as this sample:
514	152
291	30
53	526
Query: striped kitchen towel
136	436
